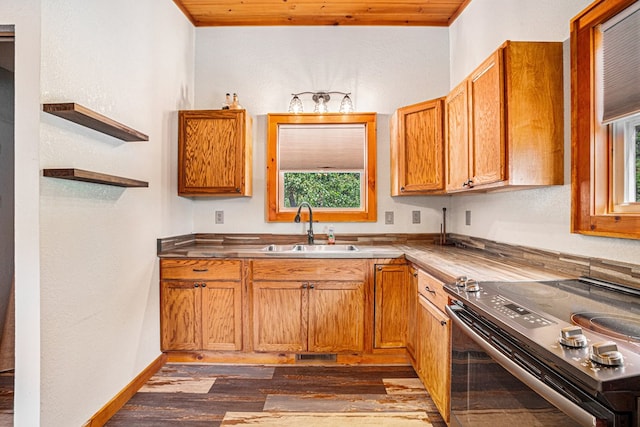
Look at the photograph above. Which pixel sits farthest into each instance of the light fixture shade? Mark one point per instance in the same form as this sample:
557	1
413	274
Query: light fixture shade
295	106
321	105
346	106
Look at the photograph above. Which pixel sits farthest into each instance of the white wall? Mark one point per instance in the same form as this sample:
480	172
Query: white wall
24	15
537	218
384	68
133	62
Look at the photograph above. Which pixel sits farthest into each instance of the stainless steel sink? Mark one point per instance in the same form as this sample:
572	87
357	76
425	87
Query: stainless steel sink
311	248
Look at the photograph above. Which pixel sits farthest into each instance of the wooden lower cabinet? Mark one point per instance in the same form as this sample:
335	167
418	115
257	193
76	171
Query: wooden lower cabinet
433	343
412	312
391	298
296	310
200	305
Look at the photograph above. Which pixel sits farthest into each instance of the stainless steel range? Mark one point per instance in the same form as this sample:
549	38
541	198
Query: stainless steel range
545	353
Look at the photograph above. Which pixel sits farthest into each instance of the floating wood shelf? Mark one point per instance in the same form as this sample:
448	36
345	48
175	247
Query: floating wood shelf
94	177
96	121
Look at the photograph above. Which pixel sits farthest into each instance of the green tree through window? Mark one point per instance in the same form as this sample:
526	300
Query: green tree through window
322	189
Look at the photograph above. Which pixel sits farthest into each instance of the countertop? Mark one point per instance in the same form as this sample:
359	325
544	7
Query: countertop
444	262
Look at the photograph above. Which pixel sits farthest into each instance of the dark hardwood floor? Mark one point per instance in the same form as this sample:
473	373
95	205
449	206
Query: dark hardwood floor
194	395
6	398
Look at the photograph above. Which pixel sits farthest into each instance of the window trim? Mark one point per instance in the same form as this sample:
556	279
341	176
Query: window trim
274	214
591	140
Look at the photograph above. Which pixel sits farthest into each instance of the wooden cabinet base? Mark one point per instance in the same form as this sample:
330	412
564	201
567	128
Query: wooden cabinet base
395	356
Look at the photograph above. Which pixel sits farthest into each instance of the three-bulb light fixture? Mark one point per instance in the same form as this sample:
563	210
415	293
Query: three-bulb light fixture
321	99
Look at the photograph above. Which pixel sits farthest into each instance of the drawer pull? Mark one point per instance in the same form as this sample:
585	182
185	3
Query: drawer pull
426	288
200	270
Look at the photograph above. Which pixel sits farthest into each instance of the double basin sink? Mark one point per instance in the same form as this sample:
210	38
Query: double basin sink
300	248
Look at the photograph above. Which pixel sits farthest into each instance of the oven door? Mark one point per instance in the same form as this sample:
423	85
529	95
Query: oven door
494	383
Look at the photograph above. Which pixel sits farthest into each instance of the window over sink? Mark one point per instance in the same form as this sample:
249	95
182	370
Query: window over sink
326	160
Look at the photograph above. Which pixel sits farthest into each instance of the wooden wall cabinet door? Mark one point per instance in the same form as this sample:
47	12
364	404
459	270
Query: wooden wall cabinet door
214	153
308	305
504	123
486	122
417	149
457	138
200	305
390	306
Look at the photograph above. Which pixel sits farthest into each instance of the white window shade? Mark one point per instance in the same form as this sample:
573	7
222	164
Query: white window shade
322	147
621	65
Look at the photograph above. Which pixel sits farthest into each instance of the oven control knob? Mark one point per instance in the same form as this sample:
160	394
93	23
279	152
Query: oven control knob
606	353
471	286
572	336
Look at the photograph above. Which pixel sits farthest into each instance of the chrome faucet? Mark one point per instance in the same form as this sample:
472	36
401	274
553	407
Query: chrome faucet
297	220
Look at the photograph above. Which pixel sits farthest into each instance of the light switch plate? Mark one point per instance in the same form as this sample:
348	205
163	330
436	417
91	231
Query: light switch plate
388	217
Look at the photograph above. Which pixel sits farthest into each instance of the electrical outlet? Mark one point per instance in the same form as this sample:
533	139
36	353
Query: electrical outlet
467	217
415	217
219	217
388	217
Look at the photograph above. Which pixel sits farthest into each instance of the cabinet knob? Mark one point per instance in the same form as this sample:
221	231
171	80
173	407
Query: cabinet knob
379	268
237	189
204	285
443	322
401	189
415	274
304	286
312	286
196	285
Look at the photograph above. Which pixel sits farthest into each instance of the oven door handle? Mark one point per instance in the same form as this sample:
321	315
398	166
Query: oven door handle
552	396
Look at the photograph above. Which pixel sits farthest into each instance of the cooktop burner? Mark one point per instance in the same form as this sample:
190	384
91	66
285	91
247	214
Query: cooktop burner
611	325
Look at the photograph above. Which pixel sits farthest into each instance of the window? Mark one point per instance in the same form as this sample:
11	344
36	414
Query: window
605	57
327	160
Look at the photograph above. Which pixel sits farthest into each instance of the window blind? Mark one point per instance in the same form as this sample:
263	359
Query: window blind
621	64
322	147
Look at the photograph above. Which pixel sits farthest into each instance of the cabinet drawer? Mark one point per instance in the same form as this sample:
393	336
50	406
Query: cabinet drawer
431	288
310	269
200	269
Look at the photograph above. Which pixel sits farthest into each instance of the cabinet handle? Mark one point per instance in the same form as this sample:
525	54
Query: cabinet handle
415	274
312	286
204	285
304	286
200	270
443	322
426	288
196	285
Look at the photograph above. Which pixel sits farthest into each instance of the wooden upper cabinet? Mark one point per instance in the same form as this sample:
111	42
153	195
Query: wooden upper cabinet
514	117
214	153
457	137
486	132
417	149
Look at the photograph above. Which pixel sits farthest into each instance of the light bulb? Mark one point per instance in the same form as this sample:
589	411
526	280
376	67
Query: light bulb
346	106
321	106
295	106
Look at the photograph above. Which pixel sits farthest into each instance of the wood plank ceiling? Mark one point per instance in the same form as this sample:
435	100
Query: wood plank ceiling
213	13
